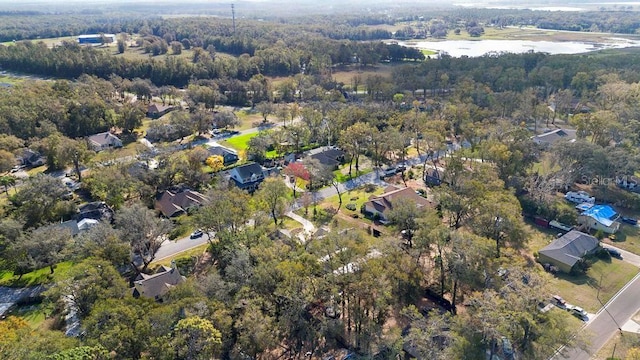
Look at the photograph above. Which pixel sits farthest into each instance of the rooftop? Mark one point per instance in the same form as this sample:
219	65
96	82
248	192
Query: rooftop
603	214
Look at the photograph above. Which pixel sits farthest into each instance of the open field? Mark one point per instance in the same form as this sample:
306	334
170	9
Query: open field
8	79
37	277
248	118
627	238
346	74
582	290
240	142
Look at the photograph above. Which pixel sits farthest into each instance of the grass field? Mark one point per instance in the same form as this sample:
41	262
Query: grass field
37	277
240	142
627	238
582	290
196	251
7	79
618	346
342	177
356	196
34	315
346	74
248	118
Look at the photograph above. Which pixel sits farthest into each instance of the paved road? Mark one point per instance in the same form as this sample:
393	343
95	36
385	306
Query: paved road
172	247
608	320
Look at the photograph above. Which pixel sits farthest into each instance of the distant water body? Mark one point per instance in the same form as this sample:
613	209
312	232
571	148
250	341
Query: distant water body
475	48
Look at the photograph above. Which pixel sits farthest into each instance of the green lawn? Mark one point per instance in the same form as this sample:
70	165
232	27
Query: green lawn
196	251
34	315
37	277
341	177
240	142
356	196
627	238
582	290
426	52
10	79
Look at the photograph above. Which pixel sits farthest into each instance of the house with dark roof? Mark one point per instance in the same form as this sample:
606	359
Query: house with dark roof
380	205
248	176
103	141
329	156
551	137
229	156
566	251
97	210
157	285
432	176
30	158
600	217
156	110
174	203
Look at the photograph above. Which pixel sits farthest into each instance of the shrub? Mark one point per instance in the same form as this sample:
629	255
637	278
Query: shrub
351	206
186	265
370	188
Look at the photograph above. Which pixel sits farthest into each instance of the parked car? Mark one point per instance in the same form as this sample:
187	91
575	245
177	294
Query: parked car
578	312
614	253
196	234
630	221
559	301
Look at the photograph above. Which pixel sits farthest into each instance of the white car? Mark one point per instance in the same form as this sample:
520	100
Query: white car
578	312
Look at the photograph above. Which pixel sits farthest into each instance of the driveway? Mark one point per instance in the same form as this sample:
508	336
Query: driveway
629	257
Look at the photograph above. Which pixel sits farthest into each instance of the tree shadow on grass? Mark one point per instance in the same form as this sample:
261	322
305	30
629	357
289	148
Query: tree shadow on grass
583	278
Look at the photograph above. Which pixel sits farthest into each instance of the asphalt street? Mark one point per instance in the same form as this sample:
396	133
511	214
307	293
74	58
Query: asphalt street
171	247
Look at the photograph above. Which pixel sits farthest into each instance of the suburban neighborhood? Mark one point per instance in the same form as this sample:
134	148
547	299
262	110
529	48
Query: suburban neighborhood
204	182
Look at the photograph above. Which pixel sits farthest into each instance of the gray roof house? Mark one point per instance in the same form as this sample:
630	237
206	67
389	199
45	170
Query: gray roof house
228	156
551	137
248	176
566	251
102	141
329	156
174	203
156	285
156	110
31	158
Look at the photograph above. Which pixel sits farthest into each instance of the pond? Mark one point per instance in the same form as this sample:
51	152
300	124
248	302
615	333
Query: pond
475	48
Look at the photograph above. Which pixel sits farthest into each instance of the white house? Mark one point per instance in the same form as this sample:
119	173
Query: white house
102	141
600	217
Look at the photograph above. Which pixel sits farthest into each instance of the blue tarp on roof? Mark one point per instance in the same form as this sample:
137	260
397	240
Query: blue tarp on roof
603	214
584	207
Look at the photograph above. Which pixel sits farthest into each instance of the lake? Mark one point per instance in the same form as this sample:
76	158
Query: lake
475	48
